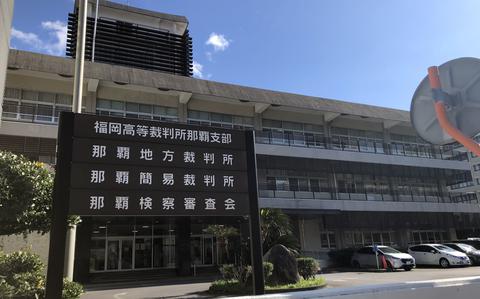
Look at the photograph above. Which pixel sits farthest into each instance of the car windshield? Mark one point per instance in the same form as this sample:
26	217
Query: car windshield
466	247
388	250
443	248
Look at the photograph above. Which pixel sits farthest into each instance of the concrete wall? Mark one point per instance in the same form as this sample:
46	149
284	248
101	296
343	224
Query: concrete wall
6	14
33	242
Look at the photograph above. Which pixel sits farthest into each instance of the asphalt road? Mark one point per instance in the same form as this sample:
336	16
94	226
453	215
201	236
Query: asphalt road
350	279
334	280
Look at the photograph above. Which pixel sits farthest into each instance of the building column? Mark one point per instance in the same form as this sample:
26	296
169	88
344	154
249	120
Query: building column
182	246
257	122
183	99
182	113
70	252
452	234
402	237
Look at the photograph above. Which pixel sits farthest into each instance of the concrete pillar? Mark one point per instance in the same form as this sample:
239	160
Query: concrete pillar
6	14
257	122
91	102
402	237
182	113
452	234
70	252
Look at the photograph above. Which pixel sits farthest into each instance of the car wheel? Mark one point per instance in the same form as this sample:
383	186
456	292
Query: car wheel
408	268
356	264
444	263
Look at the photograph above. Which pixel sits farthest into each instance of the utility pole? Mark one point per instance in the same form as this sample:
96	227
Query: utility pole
77	108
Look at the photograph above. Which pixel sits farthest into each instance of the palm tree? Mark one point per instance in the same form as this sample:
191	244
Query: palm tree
276	229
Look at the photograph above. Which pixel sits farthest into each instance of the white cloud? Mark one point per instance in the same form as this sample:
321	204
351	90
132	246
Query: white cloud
197	69
218	41
58	30
28	38
55	45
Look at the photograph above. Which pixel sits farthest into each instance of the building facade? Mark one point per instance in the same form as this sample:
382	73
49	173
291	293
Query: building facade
347	174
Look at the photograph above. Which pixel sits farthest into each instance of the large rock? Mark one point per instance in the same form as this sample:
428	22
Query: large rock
285	269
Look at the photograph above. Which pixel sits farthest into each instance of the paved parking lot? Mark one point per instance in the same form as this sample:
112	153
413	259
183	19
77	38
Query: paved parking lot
349	279
340	279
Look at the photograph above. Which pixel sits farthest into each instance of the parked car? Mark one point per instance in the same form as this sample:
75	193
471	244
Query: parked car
365	257
472	253
470	241
437	254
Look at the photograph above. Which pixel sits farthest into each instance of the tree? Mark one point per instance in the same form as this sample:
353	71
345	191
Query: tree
276	229
25	195
222	233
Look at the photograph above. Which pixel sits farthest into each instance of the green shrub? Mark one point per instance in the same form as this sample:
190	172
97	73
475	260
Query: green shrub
243	273
307	267
267	270
342	257
228	271
20	262
228	287
6	290
21	276
71	289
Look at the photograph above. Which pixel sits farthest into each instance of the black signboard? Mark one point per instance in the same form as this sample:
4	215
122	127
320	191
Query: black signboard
135	167
109	166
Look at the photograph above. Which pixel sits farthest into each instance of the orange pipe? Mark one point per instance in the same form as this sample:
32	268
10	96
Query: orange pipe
468	142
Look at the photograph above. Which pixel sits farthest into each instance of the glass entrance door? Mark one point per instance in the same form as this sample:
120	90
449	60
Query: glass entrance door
127	254
113	254
119	254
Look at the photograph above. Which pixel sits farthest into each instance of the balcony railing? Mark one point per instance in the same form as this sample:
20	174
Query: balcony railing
360	145
325	195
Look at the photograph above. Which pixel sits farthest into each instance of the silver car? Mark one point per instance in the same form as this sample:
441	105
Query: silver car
365	257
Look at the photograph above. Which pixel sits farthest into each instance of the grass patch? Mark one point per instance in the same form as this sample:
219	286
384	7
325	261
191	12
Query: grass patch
302	284
233	287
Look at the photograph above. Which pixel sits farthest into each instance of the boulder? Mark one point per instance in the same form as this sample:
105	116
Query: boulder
285	269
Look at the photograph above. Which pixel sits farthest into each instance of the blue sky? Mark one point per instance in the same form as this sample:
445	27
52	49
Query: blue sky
371	52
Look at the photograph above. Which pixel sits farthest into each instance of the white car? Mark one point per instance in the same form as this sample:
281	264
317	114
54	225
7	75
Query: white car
436	254
365	258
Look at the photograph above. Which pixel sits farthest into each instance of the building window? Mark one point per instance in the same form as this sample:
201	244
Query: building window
428	236
476	167
136	110
34	106
219	120
357	140
327	240
360	238
291	133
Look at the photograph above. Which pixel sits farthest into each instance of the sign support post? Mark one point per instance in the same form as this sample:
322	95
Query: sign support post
61	194
255	238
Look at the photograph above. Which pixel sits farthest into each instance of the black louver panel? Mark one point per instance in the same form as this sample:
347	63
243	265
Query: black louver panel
128	44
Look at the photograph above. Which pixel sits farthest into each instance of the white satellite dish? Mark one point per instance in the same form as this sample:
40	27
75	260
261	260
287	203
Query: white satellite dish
458	89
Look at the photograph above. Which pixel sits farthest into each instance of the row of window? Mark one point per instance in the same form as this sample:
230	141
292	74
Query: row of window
359	238
34	106
426	236
219	120
30	96
354	183
136	110
289	126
